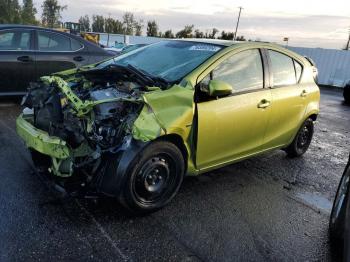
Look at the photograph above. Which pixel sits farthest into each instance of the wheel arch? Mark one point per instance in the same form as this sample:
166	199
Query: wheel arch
179	143
313	116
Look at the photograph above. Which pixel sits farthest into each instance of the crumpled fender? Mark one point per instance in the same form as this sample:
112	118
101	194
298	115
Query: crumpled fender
165	112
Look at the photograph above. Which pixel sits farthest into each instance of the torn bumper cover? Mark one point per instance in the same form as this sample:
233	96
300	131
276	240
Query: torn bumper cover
116	163
40	140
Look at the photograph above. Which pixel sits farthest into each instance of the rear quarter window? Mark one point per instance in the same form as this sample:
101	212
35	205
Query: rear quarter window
75	45
283	69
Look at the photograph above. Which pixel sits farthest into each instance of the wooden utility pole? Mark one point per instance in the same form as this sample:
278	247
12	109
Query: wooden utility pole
239	16
348	43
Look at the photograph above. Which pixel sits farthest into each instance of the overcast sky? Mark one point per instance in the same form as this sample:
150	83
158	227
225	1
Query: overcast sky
310	23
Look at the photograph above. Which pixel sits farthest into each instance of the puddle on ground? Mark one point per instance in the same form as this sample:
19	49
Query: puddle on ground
316	201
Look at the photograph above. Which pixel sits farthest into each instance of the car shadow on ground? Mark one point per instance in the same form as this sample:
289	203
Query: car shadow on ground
233	177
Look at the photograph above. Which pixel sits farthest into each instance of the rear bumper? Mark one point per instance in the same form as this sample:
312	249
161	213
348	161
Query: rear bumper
40	140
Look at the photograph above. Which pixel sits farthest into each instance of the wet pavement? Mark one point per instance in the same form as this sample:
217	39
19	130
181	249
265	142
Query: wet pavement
268	208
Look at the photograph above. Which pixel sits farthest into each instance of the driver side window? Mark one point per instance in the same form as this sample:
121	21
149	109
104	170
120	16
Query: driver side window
243	71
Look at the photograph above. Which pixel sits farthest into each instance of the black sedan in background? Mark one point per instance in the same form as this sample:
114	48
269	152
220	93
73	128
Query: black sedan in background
339	224
28	52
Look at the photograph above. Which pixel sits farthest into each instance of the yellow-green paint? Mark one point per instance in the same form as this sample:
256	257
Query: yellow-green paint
40	140
229	128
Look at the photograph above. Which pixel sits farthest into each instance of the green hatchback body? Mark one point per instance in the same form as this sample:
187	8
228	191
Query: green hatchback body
133	126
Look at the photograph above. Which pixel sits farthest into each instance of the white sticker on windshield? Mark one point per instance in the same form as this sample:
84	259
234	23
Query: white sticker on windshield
203	47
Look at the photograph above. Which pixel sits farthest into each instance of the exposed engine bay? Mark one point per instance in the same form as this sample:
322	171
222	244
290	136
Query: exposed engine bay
92	112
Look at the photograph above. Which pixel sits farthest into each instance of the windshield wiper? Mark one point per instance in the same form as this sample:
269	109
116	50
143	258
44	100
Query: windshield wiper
156	80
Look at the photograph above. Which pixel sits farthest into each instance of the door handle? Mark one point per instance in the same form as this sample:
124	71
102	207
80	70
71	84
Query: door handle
264	103
78	58
303	93
25	59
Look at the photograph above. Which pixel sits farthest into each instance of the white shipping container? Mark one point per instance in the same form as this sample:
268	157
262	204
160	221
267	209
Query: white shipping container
333	65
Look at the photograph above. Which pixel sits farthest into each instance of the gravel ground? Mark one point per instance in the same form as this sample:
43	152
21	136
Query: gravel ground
266	208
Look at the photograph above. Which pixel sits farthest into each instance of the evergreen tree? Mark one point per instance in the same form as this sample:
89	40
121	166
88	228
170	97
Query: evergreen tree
129	22
152	28
98	24
51	13
28	13
186	32
85	23
10	12
168	34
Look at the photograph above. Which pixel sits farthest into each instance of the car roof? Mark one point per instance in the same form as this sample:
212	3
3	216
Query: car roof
226	42
209	41
15	26
91	46
6	26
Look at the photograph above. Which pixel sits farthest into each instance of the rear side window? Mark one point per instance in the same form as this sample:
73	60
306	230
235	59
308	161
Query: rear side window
282	69
56	42
75	45
15	40
244	71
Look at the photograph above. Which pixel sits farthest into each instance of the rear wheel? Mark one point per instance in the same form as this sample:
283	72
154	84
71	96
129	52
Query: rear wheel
302	140
154	178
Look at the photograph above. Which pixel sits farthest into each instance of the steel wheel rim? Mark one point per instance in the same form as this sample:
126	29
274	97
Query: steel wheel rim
155	179
304	138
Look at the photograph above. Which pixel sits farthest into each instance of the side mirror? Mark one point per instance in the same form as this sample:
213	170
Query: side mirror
219	88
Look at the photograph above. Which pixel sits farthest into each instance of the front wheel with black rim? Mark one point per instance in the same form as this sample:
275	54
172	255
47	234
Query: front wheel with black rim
302	140
154	177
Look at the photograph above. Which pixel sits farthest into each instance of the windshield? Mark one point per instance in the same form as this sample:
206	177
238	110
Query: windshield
169	60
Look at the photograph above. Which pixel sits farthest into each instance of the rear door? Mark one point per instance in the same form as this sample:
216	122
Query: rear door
57	52
289	99
17	60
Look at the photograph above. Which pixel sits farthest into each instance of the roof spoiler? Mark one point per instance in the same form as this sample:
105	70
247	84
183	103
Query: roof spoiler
310	60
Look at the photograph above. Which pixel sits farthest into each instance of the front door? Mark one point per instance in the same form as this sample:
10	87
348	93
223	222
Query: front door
233	127
17	60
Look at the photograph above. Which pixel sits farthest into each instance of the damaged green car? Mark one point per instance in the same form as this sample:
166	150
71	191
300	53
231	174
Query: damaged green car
133	126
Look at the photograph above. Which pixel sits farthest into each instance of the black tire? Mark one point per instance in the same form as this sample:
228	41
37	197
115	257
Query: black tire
41	162
338	215
302	140
346	94
154	177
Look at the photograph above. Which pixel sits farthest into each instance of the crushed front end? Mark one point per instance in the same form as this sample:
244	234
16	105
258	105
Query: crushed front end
75	124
